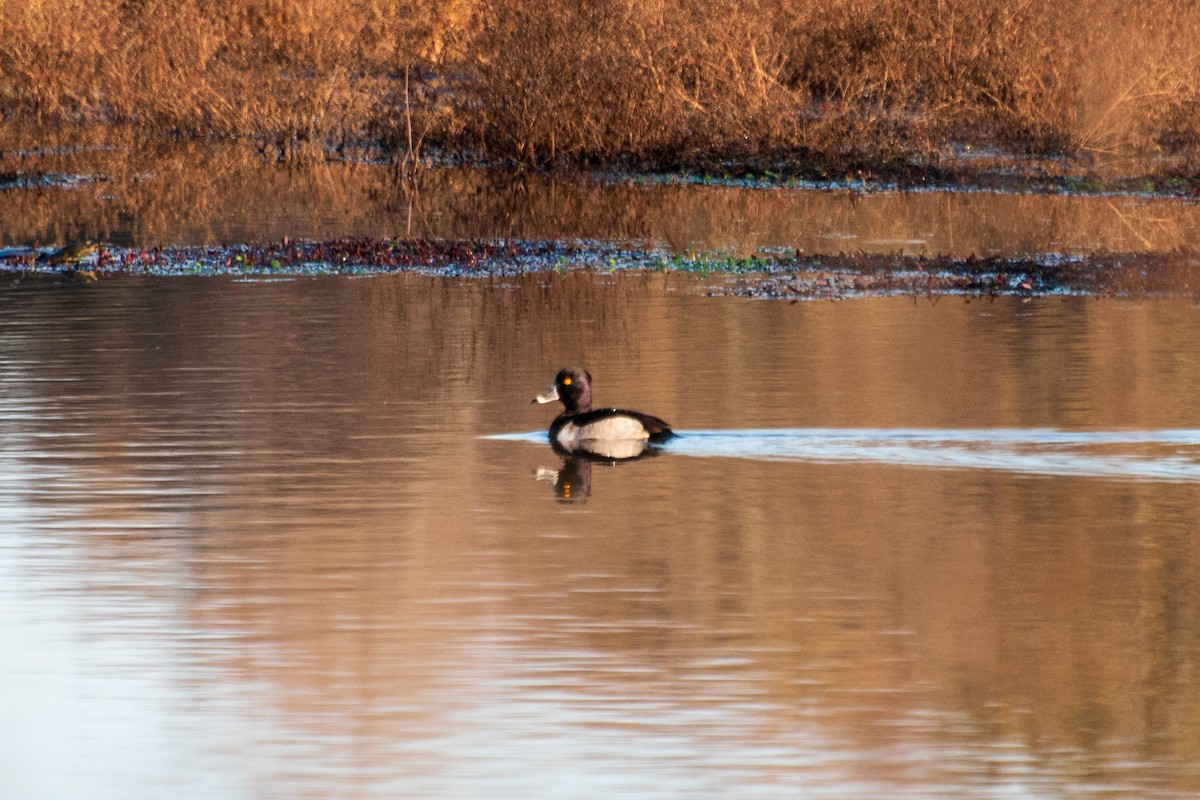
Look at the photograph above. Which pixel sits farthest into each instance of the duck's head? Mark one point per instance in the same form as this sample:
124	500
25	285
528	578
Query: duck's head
573	386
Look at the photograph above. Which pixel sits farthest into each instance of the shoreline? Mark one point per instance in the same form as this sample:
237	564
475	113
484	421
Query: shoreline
793	277
25	163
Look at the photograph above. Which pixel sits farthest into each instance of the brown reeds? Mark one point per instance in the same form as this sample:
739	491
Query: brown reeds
658	83
268	68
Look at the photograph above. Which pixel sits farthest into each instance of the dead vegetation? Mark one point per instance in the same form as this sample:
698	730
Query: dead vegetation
662	83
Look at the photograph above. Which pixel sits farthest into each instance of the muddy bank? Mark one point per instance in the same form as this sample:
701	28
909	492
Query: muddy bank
458	258
786	276
845	276
953	170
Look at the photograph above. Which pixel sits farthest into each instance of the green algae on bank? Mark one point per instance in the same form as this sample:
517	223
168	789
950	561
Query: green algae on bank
783	275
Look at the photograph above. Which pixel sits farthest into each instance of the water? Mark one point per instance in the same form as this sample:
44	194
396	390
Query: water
1037	452
199	195
295	538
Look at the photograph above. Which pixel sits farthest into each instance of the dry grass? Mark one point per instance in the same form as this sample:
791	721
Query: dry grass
869	79
270	68
661	82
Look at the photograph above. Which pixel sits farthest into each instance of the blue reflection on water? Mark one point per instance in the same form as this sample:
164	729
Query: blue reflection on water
1161	455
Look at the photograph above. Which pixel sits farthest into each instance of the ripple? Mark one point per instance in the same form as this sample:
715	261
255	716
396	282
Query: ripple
1159	455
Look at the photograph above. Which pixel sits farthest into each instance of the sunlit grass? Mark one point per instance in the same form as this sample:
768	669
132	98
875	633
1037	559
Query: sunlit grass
666	83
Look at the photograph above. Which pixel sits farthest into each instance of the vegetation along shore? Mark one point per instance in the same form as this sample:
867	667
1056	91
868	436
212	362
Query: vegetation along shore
779	276
858	87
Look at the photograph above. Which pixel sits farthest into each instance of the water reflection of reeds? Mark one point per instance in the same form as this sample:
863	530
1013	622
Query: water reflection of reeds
192	194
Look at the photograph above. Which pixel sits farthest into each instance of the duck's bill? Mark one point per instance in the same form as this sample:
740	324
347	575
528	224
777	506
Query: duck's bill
548	397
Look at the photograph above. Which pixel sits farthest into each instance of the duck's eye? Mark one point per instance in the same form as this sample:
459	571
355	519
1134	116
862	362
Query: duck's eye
567	381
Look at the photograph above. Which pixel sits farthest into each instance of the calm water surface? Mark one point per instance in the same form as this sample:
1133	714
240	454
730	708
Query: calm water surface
255	541
200	195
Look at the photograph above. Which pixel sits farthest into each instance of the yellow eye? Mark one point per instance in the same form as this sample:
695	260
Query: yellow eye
567	381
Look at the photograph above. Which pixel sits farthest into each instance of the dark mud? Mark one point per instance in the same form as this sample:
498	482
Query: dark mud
982	173
786	276
845	276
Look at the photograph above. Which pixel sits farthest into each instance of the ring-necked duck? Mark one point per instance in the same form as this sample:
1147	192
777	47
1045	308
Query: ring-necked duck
613	432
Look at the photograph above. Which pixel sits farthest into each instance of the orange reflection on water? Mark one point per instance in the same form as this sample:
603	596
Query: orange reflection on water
271	503
201	194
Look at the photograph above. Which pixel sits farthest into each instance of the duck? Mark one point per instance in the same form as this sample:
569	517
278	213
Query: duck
609	432
70	258
71	254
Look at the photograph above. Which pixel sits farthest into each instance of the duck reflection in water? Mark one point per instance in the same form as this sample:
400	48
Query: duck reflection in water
583	435
573	480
